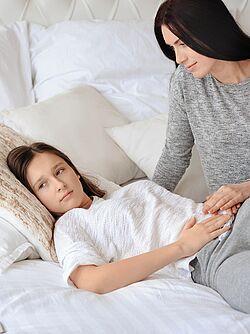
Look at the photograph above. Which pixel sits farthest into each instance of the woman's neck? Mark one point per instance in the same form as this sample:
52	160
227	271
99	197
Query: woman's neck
231	72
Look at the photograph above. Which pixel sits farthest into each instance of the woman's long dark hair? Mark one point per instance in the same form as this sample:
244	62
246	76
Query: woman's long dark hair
206	26
19	158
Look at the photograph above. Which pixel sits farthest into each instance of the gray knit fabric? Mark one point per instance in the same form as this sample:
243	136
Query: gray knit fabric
216	117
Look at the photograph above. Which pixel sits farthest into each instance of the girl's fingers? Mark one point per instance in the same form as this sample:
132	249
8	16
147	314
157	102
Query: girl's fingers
220	231
190	223
218	224
211	220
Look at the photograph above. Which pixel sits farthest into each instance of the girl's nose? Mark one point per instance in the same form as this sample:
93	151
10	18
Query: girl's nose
59	185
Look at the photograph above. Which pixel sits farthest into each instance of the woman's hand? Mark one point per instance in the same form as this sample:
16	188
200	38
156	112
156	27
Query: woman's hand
194	236
229	196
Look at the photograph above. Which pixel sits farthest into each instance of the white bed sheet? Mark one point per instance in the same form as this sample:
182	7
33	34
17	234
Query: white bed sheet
35	300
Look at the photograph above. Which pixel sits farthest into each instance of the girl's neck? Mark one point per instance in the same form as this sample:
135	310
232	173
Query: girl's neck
231	72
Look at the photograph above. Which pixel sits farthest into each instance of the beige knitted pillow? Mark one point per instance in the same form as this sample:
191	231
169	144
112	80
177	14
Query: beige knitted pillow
18	206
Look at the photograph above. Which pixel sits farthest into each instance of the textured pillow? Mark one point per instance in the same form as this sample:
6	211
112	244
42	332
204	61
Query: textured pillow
143	142
120	58
75	122
18	206
22	210
16	88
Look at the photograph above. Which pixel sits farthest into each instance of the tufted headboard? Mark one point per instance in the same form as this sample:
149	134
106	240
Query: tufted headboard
47	12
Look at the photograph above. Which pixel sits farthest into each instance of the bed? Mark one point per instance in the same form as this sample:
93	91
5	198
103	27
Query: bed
50	92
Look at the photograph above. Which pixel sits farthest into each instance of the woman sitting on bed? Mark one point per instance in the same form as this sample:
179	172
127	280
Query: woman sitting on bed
209	98
106	244
209	105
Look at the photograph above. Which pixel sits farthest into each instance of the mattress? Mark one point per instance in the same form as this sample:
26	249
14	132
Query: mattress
35	300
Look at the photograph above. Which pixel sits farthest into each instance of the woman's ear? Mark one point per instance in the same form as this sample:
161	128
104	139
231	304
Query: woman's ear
78	176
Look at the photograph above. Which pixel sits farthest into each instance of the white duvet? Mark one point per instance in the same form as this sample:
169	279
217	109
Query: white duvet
34	300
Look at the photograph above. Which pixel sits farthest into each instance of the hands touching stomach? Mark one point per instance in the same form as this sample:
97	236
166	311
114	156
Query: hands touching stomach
227	197
196	235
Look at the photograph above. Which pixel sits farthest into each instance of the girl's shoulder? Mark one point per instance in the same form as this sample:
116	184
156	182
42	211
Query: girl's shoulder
68	217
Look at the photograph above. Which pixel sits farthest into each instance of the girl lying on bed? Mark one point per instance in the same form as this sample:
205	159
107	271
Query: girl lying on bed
106	244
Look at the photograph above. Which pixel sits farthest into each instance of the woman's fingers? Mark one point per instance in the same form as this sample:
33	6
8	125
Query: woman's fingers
217	202
209	196
226	197
230	202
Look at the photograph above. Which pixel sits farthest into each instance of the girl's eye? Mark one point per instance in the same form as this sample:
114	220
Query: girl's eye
42	185
60	171
182	44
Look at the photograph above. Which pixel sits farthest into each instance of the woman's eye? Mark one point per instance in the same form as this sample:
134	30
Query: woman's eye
182	44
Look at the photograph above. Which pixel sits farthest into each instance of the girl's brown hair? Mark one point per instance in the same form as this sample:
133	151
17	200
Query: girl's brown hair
19	158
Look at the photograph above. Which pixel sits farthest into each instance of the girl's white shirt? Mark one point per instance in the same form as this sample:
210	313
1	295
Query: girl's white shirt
135	219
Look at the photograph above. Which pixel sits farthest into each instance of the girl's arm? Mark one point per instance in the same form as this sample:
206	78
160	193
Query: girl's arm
112	276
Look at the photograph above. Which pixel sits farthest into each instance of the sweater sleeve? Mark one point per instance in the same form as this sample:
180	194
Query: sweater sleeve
176	154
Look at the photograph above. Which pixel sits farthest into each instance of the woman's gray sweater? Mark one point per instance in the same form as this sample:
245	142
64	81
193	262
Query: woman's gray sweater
216	117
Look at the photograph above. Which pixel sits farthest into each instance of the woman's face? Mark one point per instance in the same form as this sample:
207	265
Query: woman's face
194	62
56	184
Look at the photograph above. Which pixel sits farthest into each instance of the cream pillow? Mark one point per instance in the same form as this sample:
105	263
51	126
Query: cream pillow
75	122
24	213
143	142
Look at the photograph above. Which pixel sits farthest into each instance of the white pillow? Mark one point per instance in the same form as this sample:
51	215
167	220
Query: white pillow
13	246
16	88
143	142
240	10
120	58
75	123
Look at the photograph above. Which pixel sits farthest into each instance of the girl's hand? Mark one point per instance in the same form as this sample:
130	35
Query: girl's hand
227	197
194	236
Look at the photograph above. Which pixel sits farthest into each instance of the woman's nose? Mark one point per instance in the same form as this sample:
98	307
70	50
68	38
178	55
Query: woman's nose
180	57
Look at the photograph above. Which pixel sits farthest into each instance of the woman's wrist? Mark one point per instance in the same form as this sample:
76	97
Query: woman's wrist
247	183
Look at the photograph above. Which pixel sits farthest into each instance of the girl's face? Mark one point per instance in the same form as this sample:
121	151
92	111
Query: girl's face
194	62
56	184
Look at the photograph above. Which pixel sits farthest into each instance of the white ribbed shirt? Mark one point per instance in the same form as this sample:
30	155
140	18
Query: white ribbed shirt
135	219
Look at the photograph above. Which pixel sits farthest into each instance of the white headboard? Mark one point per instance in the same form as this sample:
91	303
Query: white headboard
47	12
